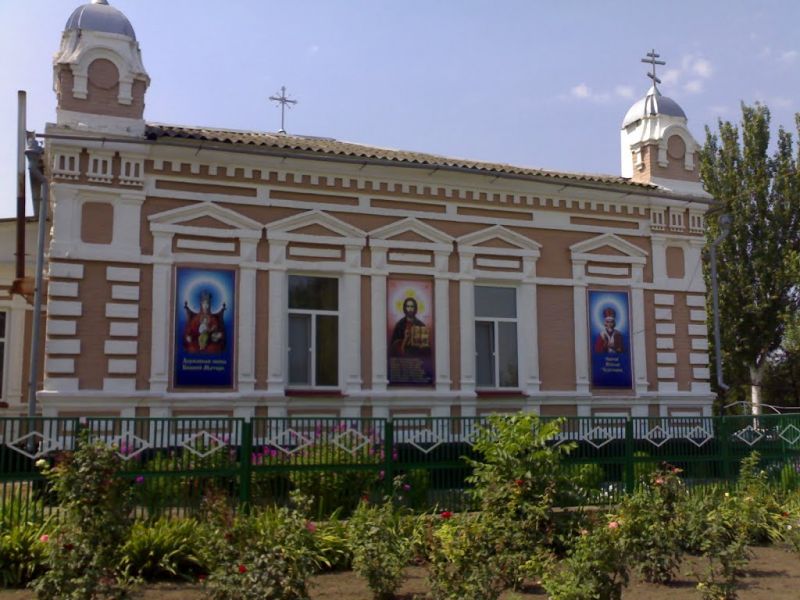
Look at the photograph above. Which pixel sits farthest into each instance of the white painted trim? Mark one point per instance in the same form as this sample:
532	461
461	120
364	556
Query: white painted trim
602	270
246	352
350	331
666	358
698	301
528	336
639	339
698	358
170	220
437	240
701	373
278	324
123	329
496	263
699	330
466	293
315	252
122	311
121	366
192	244
441	305
425	259
666	372
663	314
65	270
665	343
59	327
60	308
63	289
699	343
60	346
587	248
59	365
697	315
664	299
124	274
379	344
160	326
118	384
113	347
125	292
581	329
665	329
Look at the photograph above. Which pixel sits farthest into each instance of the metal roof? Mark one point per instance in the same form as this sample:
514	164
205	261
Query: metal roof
99	16
308	146
652	104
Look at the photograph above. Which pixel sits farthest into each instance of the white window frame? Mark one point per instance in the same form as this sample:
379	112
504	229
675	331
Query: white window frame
496	331
313	313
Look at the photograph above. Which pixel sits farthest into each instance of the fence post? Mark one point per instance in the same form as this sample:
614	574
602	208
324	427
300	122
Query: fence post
246	463
388	455
724	447
629	470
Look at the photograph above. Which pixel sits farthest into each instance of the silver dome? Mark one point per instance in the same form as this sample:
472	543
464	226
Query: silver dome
99	16
652	104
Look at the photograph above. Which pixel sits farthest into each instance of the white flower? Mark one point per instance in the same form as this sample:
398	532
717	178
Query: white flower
41	463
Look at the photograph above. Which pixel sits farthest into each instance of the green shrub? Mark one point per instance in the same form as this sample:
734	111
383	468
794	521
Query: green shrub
84	553
380	546
642	470
517	482
268	556
464	562
331	544
762	507
652	525
595	566
724	548
167	548
23	548
789	477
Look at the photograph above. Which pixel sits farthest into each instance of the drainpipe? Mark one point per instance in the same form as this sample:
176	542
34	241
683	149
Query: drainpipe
724	227
40	190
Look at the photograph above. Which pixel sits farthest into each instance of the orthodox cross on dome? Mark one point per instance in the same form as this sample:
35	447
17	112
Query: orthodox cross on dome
284	101
651	59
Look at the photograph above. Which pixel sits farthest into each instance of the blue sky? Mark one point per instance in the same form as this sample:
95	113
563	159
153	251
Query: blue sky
535	83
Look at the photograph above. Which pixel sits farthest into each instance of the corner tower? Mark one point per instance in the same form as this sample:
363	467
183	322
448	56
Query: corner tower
656	144
98	74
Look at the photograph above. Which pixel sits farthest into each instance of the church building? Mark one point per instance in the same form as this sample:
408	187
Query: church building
196	271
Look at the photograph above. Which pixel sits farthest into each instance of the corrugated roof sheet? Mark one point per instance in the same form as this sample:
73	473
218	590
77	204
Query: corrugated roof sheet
332	147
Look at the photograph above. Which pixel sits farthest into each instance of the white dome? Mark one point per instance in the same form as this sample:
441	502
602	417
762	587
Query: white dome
99	16
652	104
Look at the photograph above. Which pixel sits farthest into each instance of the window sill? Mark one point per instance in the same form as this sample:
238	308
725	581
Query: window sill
313	392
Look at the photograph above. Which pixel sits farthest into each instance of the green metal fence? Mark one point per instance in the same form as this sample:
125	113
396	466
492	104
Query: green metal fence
178	465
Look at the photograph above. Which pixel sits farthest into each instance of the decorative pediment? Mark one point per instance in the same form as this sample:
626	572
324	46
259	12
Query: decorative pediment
410	233
498	240
316	227
206	219
609	248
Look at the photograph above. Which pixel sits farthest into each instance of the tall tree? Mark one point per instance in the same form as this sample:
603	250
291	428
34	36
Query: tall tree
759	260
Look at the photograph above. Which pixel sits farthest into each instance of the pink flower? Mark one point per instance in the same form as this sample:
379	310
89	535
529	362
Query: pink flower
406	486
311	526
44	538
613	525
445	514
659	481
139	479
242	569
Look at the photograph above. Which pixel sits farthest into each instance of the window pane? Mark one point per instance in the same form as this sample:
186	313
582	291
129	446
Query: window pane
321	293
2	325
2	362
484	354
508	355
299	349
327	350
495	302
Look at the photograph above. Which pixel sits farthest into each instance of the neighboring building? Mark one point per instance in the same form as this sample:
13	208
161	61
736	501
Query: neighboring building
198	271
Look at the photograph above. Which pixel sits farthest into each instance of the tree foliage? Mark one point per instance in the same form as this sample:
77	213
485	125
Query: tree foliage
759	261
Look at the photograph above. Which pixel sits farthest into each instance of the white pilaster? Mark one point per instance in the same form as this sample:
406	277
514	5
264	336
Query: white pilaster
160	327
278	318
350	324
378	288
127	216
466	293
247	318
441	304
528	339
581	325
639	354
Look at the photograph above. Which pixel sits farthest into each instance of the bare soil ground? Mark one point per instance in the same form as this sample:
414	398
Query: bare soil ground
773	574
